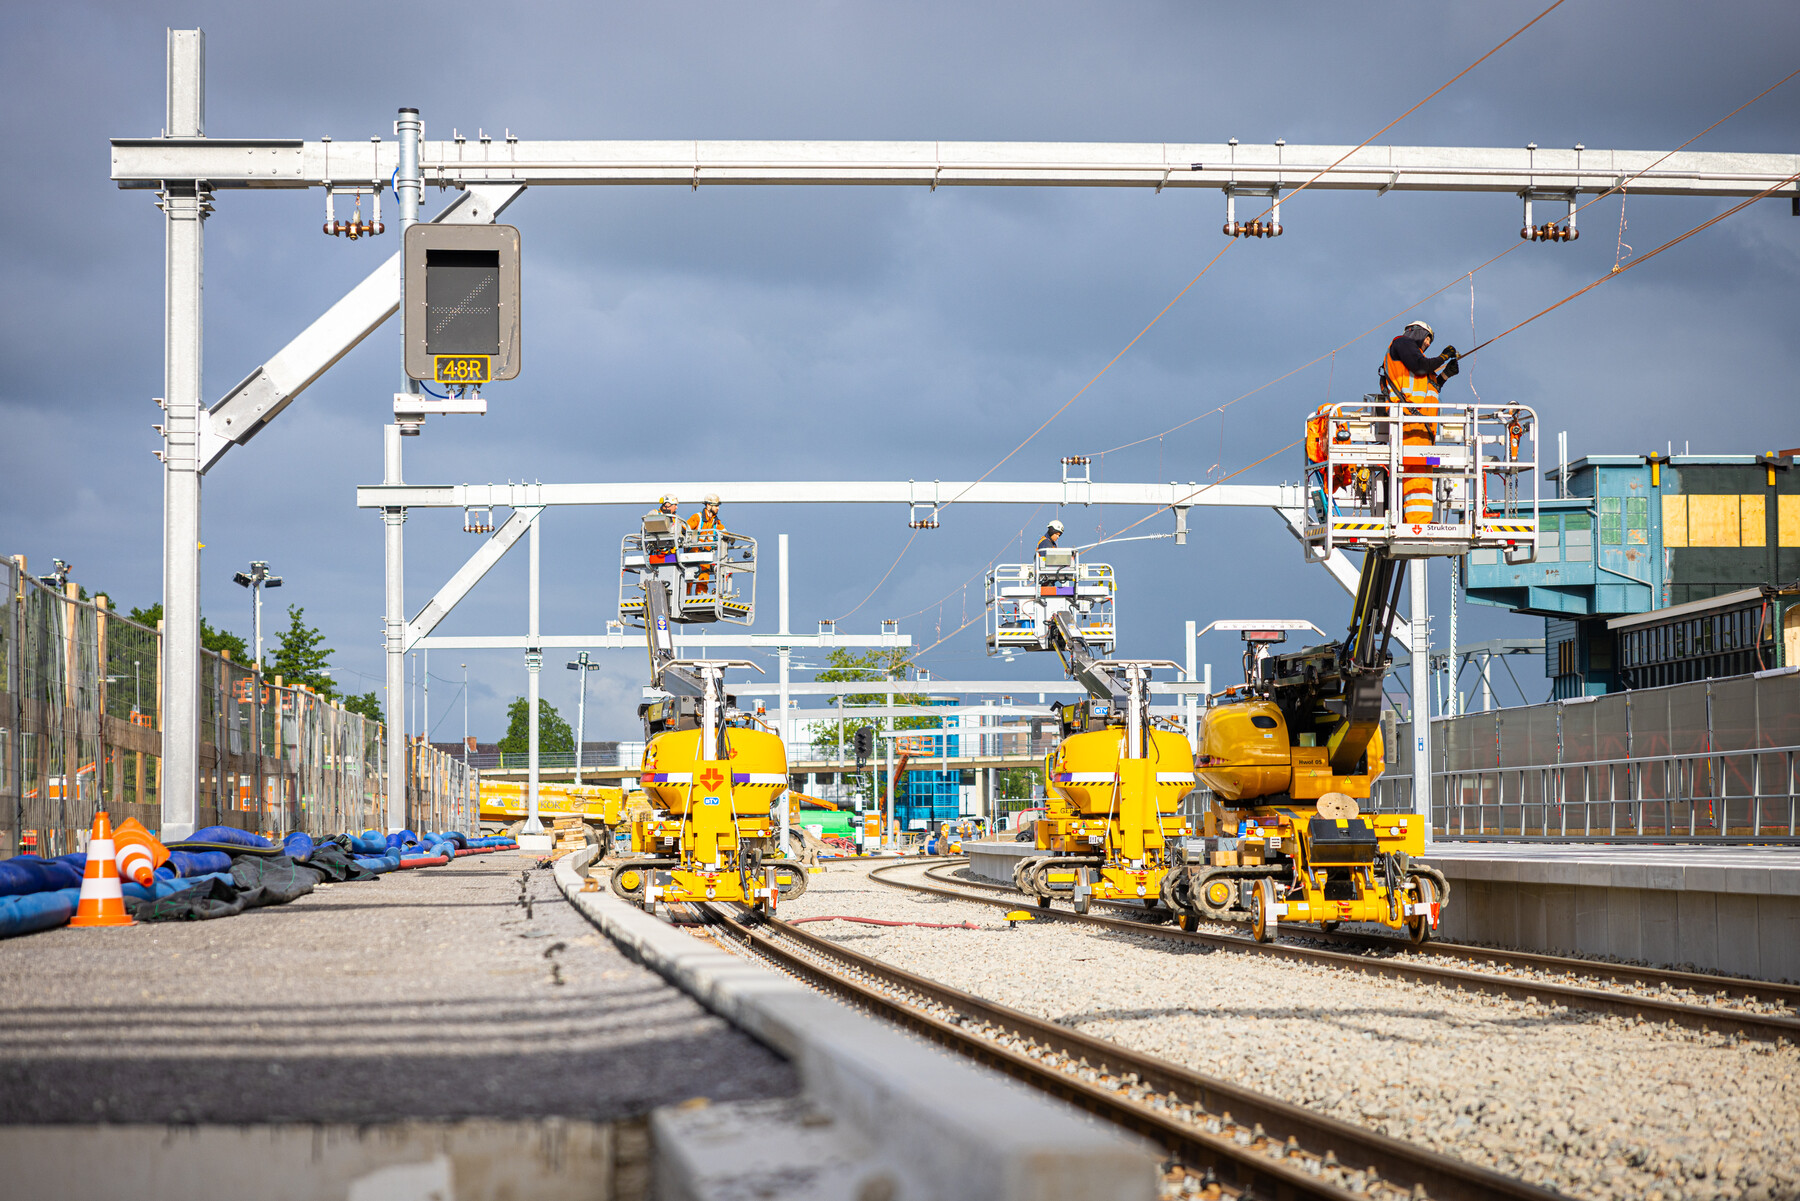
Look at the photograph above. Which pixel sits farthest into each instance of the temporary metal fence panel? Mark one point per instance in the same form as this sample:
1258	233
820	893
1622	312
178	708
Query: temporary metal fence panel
80	730
1711	760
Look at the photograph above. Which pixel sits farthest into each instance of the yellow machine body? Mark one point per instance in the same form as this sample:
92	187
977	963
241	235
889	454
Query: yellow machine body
1273	858
1112	817
1246	754
711	821
504	802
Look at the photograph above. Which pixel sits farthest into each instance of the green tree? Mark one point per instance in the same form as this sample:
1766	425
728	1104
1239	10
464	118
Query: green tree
875	666
554	735
368	704
210	639
301	656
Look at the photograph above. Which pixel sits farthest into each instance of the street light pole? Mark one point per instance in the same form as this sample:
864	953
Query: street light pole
583	665
256	579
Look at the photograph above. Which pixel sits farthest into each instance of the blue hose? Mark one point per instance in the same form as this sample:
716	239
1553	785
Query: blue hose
369	842
298	846
195	863
25	875
229	835
39	911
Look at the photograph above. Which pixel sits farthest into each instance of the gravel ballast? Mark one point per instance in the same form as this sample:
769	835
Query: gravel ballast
1591	1105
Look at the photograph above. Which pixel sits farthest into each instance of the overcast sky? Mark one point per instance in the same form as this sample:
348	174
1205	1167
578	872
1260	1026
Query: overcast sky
843	333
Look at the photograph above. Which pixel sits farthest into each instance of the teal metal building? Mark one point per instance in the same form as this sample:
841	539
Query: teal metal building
1657	569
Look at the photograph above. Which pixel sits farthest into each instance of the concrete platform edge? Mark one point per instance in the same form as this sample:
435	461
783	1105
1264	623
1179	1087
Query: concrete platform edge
951	1129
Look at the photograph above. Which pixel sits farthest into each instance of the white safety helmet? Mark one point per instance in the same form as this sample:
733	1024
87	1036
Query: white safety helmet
712	498
1056	527
1429	332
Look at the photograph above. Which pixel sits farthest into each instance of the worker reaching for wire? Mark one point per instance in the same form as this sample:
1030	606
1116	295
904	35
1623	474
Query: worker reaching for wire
1413	380
706	519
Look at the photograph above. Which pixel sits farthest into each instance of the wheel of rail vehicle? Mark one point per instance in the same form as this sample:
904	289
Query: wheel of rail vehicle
1418	926
1187	921
1043	902
1081	904
1262	910
796	884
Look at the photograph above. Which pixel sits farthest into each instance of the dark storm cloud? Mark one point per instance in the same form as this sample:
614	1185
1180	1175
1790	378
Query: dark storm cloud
867	333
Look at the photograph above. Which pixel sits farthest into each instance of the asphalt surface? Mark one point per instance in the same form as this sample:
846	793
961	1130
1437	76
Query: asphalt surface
425	994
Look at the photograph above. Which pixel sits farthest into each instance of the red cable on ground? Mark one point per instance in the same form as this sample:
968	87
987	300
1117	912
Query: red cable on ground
876	921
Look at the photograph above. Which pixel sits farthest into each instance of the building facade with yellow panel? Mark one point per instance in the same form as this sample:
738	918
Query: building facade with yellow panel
1658	569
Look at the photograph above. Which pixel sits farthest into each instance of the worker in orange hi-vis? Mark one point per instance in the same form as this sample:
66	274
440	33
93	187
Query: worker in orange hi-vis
706	519
1413	380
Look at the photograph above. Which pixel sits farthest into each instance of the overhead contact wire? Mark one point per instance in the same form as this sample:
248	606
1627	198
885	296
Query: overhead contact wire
1622	186
1063	408
1643	258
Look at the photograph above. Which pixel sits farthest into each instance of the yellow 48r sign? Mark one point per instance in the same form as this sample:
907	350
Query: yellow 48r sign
461	368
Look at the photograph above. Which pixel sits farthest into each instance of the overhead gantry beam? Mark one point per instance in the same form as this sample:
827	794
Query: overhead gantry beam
923	494
293	163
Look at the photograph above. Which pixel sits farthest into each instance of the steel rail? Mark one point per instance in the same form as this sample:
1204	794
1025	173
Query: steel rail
1730	986
1242	1167
1649	1009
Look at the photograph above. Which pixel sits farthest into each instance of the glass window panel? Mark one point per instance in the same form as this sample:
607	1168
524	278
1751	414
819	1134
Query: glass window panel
1611	522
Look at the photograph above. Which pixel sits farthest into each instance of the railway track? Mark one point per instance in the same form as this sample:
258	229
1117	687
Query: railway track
1230	1140
1717	1019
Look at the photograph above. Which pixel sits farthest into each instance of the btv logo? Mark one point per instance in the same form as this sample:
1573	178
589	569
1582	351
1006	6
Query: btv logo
712	778
1418	529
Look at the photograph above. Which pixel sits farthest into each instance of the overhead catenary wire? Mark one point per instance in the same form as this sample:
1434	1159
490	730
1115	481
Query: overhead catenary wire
1619	188
1064	407
1619	270
1318	175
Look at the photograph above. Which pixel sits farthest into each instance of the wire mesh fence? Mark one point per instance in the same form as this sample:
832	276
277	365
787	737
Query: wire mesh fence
1711	760
81	730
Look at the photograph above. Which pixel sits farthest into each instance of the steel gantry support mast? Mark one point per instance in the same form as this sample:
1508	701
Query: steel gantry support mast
186	169
185	203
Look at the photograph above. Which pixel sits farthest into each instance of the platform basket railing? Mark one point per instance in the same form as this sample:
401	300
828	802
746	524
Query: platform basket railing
1480	468
81	730
1707	761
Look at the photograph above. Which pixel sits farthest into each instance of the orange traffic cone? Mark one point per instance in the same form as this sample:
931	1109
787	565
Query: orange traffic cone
102	901
138	853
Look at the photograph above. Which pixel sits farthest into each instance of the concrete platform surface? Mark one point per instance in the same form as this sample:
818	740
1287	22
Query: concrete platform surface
427	994
1758	870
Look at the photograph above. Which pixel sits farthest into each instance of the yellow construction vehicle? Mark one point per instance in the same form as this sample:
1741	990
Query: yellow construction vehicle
1291	760
1115	781
504	806
711	773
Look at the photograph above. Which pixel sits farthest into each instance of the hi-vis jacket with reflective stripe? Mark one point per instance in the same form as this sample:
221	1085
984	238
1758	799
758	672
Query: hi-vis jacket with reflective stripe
1417	393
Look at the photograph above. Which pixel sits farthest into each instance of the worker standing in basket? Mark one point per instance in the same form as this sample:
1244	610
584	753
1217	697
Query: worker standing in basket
1413	380
1051	535
706	519
708	516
